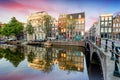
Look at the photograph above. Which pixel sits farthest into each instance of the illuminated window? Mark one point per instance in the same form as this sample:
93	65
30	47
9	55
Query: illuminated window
102	18
79	16
110	18
106	18
82	21
70	17
105	23
102	23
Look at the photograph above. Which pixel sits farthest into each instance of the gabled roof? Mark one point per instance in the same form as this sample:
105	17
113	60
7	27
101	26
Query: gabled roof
76	15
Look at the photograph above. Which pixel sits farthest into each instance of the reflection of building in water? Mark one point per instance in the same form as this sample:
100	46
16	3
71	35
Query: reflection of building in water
44	58
38	51
39	58
11	47
71	61
37	64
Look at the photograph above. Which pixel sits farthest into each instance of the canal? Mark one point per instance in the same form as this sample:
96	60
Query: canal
44	63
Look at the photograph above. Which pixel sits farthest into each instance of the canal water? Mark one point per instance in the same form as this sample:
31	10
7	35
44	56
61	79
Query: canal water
42	63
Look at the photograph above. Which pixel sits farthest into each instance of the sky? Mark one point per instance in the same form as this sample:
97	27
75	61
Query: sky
21	9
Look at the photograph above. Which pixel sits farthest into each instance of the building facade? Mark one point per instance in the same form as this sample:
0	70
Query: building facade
116	27
93	32
106	25
36	20
72	24
41	24
54	29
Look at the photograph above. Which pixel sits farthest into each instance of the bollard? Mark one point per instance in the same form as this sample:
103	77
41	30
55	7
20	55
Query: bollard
117	51
106	45
116	70
100	43
112	52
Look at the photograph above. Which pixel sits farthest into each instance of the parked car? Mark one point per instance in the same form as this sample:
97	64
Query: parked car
11	39
2	42
40	40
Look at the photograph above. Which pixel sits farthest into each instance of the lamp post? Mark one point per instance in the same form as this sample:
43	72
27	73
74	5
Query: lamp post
112	53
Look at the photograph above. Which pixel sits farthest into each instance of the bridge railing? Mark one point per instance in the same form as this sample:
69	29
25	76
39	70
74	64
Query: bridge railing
109	45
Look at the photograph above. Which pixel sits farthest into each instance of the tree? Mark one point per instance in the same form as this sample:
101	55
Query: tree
14	27
63	26
30	29
7	31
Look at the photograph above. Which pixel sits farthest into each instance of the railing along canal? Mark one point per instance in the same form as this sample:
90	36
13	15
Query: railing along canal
109	45
115	54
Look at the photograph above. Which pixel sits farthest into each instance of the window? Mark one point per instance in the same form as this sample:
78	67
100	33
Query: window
114	25
82	26
102	29
105	29
79	22
106	18
102	18
116	30
106	23
70	17
110	23
110	18
102	23
82	21
79	16
109	30
117	25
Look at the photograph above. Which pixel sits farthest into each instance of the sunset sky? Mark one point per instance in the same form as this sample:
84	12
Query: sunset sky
22	8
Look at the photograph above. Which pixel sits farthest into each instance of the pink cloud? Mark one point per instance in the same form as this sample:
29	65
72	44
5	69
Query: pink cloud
38	5
94	18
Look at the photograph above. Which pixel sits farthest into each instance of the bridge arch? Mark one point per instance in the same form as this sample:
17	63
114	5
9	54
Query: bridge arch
87	47
95	59
96	66
87	53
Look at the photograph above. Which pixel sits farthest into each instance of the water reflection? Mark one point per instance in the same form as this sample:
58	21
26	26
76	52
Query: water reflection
35	63
44	58
15	56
